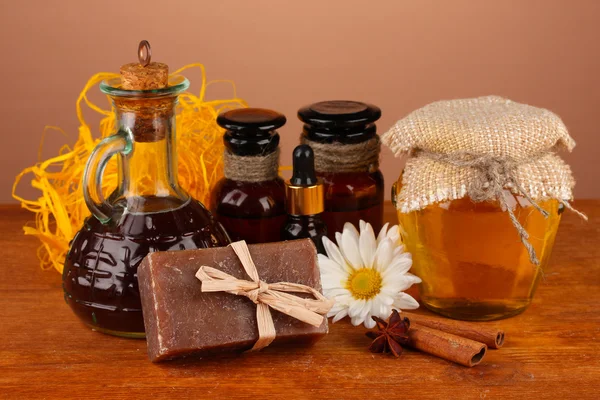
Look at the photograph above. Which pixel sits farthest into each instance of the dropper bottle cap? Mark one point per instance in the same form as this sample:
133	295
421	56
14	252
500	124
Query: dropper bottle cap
304	192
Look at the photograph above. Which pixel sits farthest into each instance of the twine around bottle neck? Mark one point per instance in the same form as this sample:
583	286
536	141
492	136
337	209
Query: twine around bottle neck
338	157
251	168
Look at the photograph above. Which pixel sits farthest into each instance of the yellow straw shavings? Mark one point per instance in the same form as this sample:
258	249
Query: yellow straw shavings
61	210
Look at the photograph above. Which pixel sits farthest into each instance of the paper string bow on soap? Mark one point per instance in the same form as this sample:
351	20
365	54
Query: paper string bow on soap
183	321
265	295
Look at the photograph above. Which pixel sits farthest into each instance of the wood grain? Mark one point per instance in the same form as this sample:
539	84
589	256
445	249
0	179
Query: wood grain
551	351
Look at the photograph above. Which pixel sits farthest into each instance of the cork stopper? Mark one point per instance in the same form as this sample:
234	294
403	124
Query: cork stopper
148	117
144	75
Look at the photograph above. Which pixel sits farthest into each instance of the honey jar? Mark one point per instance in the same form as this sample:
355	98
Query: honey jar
479	201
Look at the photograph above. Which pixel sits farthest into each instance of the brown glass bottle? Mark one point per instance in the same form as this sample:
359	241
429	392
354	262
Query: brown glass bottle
147	212
250	201
344	138
304	201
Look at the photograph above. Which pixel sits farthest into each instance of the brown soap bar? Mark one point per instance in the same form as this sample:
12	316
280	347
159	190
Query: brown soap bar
180	320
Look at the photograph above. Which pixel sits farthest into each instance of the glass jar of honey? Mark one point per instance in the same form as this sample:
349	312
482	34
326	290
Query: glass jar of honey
479	202
470	259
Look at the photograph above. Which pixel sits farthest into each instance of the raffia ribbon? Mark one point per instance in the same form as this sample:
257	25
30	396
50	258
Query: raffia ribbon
495	174
265	295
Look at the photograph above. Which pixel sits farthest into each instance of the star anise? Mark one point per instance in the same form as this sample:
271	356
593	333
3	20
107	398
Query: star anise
391	334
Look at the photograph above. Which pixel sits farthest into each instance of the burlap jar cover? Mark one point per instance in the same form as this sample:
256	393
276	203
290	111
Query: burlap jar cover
479	147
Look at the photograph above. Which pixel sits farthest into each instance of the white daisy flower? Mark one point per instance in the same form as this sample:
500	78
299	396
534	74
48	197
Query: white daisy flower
366	276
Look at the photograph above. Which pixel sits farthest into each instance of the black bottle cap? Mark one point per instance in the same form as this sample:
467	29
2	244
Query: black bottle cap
339	120
304	192
303	166
251	131
339	113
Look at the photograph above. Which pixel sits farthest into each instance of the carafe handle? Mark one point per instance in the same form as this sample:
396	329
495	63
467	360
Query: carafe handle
120	142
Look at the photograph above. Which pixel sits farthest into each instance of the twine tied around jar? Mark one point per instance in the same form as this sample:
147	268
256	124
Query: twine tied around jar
494	175
337	157
251	168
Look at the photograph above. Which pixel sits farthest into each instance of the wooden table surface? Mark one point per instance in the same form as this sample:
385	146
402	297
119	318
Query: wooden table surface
552	350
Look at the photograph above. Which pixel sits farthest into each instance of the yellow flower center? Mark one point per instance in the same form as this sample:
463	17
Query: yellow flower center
364	283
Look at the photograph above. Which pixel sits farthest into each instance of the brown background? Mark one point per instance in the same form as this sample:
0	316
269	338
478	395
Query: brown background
398	54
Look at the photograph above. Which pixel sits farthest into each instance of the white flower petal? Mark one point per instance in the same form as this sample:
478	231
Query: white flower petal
348	227
349	246
399	265
398	250
358	320
385	311
393	234
397	284
375	303
336	293
359	312
367	244
345	300
391	275
339	315
386	297
356	307
337	307
382	233
413	278
362	224
328	265
369	322
379	308
405	301
334	254
383	255
340	276
403	254
331	281
338	239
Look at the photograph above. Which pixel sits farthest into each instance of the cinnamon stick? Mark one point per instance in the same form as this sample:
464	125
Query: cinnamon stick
450	347
491	336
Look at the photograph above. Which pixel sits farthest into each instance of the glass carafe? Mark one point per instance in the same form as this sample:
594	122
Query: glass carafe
148	211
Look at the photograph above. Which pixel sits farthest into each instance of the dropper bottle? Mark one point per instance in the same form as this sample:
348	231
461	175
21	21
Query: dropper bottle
304	200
